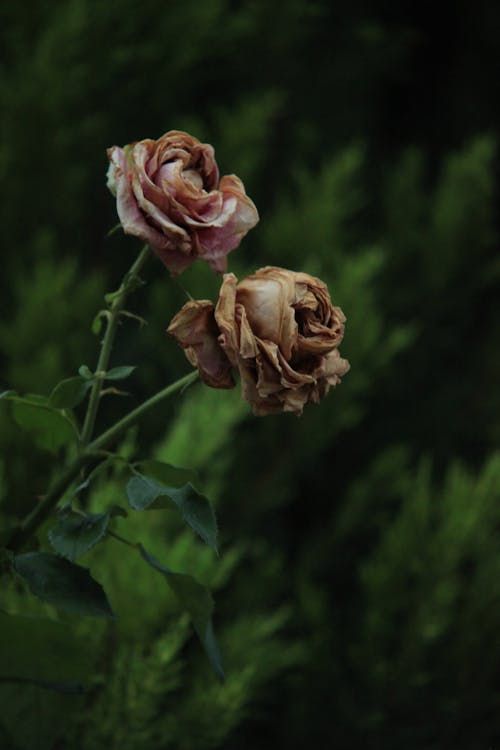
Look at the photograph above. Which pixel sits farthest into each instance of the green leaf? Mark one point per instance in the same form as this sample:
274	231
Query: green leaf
49	428
197	601
84	372
69	393
167	474
74	534
119	373
63	584
145	493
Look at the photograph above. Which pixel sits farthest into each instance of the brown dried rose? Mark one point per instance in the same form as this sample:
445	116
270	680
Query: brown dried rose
278	328
168	193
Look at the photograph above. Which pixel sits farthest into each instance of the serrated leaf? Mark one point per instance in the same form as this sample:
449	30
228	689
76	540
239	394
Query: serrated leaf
63	584
167	474
85	372
69	393
74	534
145	493
119	373
50	429
197	601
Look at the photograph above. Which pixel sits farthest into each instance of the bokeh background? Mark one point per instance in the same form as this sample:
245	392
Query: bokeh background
358	586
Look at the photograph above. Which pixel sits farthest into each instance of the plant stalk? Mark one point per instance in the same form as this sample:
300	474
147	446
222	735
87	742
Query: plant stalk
107	343
90	453
132	417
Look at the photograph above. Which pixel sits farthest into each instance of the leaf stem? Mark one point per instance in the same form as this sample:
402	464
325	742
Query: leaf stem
132	417
121	539
107	343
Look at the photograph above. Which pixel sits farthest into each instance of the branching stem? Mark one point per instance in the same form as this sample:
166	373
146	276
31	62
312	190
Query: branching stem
92	453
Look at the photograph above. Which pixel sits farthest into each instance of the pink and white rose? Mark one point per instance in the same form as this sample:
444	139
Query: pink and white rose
168	194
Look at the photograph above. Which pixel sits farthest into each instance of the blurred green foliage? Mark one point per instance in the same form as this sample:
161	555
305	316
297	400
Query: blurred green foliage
357	591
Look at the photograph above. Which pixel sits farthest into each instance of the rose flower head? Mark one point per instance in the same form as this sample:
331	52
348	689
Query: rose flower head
278	328
168	193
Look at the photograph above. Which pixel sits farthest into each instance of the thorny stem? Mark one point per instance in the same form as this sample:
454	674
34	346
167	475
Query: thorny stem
107	343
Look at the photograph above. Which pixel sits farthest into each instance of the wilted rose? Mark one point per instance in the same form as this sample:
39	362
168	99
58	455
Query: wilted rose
278	328
168	193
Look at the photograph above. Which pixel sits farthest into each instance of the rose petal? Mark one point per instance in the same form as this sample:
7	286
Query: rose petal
225	317
131	217
195	329
267	301
168	193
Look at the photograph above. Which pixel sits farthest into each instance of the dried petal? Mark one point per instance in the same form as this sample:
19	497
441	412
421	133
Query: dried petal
278	328
195	329
168	194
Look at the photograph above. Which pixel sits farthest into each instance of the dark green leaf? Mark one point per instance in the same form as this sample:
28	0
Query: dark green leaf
49	428
74	534
167	474
63	584
69	393
145	493
119	373
84	372
197	601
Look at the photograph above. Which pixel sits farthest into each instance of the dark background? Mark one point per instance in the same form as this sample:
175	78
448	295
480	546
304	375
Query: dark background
358	585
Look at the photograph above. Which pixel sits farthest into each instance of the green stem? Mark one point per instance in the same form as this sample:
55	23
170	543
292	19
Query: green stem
107	342
132	417
42	511
121	539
